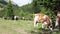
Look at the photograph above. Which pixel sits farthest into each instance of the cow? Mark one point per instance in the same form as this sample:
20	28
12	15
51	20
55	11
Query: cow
5	18
44	19
25	18
15	18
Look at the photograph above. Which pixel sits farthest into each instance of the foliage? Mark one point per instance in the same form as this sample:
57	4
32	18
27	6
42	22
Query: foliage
46	7
9	10
37	6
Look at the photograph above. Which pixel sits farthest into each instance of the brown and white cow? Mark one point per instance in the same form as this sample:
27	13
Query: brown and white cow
44	19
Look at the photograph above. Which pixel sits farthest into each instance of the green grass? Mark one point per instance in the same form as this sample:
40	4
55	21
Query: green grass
15	27
21	27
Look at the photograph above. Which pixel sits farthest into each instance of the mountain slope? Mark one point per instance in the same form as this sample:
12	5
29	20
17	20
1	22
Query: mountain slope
2	3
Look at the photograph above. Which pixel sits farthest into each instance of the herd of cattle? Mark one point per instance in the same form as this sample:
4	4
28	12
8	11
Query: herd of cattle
13	18
17	18
39	18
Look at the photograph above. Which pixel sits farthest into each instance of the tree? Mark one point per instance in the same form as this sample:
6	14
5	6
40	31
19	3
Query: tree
36	6
9	10
47	7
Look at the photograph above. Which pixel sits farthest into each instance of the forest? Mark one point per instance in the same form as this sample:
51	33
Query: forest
7	9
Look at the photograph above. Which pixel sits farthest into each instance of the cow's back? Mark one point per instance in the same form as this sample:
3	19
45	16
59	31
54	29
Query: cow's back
43	18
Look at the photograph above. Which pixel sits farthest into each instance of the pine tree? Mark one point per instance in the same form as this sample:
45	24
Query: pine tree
36	6
9	9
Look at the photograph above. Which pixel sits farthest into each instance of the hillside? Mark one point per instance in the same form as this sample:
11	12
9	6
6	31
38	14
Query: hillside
3	6
6	0
20	11
2	3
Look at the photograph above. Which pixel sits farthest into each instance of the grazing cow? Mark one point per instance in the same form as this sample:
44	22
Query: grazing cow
44	19
5	18
23	18
15	18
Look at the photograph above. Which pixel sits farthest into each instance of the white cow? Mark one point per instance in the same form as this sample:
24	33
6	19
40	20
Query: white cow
44	19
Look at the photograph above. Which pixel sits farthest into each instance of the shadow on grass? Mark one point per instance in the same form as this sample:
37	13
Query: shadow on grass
43	31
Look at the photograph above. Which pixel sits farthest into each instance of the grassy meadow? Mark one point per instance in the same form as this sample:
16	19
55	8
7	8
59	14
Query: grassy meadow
15	27
21	27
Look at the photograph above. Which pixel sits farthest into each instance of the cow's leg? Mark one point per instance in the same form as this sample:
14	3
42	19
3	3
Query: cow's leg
35	23
44	25
50	27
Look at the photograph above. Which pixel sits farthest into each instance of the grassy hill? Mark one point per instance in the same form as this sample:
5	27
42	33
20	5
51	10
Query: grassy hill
2	3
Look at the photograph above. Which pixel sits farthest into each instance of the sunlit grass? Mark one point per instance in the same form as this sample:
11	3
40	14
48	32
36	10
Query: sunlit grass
21	27
15	27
